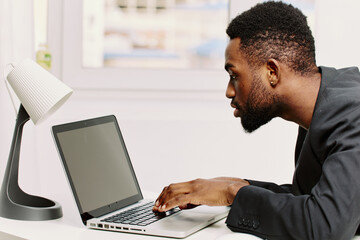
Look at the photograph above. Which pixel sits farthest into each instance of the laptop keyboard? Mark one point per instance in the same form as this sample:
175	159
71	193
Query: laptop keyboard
141	215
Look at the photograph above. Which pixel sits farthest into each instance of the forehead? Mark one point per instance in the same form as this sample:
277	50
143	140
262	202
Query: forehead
233	46
233	56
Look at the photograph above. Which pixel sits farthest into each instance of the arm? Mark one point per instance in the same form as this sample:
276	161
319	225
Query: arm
219	191
213	192
330	211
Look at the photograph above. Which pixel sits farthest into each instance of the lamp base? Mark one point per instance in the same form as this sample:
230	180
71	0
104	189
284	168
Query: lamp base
14	202
29	208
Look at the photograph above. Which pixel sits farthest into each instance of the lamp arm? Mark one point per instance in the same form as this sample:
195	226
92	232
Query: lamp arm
14	156
14	202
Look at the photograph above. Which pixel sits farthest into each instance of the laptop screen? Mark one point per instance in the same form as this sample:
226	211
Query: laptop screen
97	165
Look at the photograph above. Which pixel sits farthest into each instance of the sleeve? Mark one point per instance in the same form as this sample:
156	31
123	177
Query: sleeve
286	188
330	211
259	211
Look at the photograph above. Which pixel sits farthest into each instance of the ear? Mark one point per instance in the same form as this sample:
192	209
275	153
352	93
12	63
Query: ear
273	72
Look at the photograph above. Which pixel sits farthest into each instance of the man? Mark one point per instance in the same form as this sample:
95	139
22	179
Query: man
271	62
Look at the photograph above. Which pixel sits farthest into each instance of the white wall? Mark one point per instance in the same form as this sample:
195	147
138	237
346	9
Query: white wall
337	33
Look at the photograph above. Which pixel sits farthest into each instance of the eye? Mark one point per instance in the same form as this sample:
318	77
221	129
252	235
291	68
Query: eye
232	76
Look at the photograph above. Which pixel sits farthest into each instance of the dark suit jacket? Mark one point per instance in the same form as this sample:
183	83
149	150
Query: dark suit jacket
323	202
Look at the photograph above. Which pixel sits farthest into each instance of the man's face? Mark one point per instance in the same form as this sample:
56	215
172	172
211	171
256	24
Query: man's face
250	95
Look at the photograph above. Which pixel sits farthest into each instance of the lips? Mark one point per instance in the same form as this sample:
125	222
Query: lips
237	111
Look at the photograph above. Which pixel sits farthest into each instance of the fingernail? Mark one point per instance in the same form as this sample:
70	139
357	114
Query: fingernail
163	207
157	203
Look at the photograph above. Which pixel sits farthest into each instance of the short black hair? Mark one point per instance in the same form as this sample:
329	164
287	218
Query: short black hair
275	30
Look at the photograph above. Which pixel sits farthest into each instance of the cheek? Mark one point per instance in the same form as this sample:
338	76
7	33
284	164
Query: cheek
242	92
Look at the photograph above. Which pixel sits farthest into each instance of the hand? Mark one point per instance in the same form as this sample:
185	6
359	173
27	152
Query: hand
213	192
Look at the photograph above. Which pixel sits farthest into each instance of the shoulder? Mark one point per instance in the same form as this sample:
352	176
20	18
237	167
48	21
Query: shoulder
335	81
336	117
339	93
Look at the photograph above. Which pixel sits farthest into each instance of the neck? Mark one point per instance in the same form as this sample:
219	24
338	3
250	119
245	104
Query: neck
300	99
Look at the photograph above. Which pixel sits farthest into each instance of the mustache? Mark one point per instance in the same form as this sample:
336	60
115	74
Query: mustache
235	104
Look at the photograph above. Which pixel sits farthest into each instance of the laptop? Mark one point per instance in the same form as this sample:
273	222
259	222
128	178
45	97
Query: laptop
105	187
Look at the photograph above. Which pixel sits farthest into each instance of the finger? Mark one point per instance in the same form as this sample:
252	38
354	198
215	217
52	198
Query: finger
159	200
160	197
155	209
182	200
172	191
188	206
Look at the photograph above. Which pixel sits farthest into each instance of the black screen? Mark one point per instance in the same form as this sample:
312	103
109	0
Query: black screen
97	164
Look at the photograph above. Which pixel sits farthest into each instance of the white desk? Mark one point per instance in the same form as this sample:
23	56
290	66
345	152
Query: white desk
60	229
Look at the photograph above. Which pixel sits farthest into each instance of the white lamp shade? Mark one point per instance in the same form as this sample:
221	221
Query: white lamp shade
40	92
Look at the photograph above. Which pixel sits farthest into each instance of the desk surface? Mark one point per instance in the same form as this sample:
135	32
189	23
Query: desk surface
60	229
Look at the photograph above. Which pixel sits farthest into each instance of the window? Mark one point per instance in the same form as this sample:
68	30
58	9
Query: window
180	34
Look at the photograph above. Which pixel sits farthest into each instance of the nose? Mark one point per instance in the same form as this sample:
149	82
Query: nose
230	90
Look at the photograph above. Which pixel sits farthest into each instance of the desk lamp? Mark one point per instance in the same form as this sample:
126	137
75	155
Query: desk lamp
40	94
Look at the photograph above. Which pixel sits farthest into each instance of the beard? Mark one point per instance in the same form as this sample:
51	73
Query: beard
261	107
